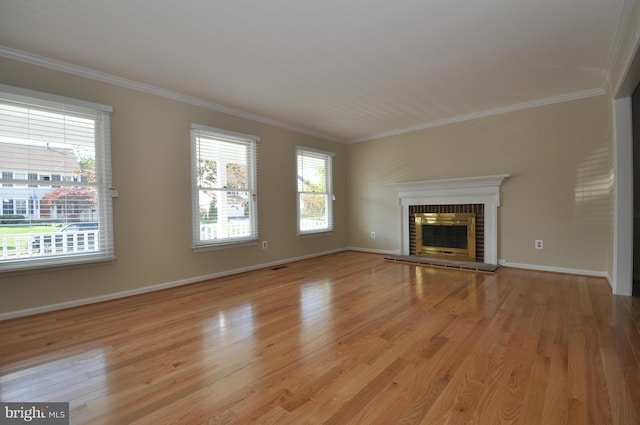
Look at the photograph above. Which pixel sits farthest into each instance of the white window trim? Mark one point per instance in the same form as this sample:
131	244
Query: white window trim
199	245
330	194
83	104
103	176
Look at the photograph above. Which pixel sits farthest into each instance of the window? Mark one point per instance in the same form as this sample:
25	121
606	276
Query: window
43	139
20	177
56	178
315	192
7	207
7	176
224	197
21	206
33	177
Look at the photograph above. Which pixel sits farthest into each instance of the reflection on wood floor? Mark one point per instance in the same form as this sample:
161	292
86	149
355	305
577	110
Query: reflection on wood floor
341	339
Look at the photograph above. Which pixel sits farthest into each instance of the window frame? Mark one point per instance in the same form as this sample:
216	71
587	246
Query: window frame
225	136
101	117
330	197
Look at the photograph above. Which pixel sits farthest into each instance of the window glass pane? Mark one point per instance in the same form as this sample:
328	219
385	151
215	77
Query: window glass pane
313	211
237	175
312	174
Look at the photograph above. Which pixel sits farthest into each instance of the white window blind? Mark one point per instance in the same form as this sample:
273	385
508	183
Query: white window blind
315	192
56	175
224	196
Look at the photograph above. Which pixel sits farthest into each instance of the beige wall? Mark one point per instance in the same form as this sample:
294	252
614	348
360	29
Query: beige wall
560	190
150	157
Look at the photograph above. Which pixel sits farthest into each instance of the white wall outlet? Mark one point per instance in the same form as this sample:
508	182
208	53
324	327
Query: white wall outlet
264	245
539	244
373	235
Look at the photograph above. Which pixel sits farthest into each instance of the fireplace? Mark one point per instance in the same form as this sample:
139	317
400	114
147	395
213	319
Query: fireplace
450	236
463	210
449	196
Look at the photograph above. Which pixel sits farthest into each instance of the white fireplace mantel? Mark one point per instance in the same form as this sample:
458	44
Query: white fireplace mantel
468	190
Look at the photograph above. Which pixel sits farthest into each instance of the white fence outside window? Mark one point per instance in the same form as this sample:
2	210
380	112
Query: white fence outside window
48	244
308	224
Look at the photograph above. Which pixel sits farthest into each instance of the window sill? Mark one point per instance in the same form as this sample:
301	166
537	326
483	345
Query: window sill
315	234
217	247
27	268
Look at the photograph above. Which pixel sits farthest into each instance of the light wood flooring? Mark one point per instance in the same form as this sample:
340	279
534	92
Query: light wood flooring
341	339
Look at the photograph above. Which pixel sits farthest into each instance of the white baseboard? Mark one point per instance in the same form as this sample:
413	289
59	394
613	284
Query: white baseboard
157	287
566	270
181	282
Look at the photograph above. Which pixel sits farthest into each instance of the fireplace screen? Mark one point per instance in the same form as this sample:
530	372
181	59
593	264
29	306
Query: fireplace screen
446	235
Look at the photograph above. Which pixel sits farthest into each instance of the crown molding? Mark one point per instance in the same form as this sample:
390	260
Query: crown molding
104	77
623	26
487	113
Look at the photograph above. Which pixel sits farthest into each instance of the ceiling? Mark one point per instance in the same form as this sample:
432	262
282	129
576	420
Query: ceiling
348	70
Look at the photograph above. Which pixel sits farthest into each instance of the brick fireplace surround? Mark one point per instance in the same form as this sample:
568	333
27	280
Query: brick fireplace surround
453	194
477	209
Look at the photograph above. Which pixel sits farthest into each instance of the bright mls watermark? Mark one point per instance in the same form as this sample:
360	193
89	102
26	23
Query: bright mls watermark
34	413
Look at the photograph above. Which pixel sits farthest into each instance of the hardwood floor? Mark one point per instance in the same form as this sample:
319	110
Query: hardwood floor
341	339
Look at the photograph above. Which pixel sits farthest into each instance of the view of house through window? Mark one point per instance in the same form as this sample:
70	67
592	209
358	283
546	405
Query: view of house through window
315	194
55	205
224	187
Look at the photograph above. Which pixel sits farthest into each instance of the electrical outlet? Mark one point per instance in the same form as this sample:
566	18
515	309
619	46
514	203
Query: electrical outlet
373	235
539	244
264	245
